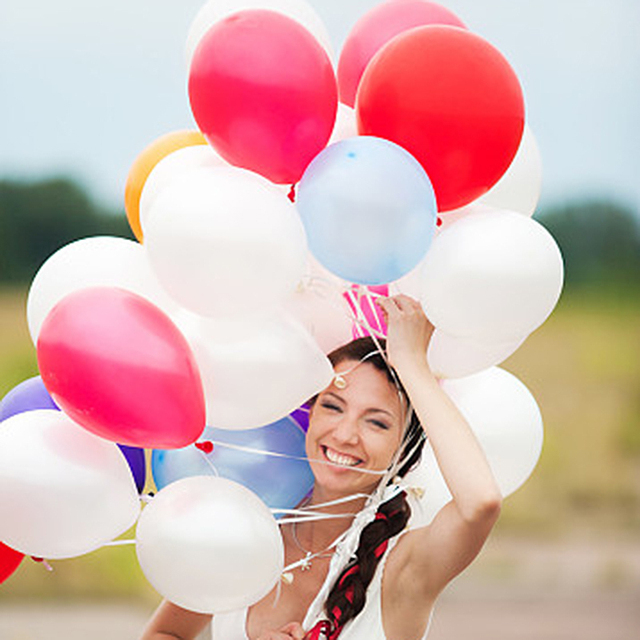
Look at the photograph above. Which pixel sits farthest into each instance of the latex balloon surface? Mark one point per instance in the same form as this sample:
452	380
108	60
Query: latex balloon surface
209	545
32	395
279	481
64	491
99	261
452	100
215	10
120	368
27	396
144	164
519	188
264	93
255	373
10	560
453	357
493	276
175	165
368	209
225	242
377	27
506	420
346	124
319	306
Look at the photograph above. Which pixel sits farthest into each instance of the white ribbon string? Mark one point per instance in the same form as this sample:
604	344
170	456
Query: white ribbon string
275	454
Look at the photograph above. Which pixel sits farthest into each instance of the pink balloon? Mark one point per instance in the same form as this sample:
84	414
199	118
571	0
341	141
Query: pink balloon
375	29
264	93
362	299
119	367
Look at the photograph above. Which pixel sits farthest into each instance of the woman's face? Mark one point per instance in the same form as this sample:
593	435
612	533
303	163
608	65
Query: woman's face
357	427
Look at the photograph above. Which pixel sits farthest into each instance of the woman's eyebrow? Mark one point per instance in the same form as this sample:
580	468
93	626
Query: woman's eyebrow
333	395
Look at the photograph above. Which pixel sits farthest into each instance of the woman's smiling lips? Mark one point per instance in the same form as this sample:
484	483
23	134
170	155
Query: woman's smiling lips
341	459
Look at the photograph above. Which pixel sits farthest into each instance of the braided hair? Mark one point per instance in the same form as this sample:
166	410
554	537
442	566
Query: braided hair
349	593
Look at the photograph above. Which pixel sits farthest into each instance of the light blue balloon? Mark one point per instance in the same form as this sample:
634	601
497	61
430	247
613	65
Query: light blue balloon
369	210
281	483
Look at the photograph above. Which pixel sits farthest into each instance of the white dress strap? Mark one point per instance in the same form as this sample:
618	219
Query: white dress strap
231	625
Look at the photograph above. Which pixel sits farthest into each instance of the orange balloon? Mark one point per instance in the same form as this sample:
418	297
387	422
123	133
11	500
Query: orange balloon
144	165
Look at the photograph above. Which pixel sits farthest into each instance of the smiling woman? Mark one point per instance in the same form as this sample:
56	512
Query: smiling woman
357	570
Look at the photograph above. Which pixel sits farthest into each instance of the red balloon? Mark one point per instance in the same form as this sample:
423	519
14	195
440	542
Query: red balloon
263	92
120	368
375	29
452	100
10	560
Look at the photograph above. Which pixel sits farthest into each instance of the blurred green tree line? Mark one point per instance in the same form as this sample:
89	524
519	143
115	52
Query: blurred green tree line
38	218
599	239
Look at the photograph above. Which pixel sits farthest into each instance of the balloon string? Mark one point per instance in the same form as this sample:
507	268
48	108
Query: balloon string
359	318
211	465
275	454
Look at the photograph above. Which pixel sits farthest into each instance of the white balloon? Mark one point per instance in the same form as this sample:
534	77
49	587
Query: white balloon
492	276
209	545
319	305
225	241
451	217
92	262
519	188
427	478
173	166
453	357
505	419
63	491
346	124
254	374
215	10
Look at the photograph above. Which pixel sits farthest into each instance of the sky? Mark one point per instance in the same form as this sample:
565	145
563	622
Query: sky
86	86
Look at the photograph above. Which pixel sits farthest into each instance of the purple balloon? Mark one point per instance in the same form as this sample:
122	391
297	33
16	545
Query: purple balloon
137	464
27	396
301	417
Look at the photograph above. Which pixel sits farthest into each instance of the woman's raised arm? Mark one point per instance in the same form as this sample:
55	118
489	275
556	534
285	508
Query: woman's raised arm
440	551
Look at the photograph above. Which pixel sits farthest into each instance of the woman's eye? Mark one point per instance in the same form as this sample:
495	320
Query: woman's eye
331	407
380	425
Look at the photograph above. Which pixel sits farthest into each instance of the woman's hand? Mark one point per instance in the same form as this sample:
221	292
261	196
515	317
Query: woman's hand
291	631
409	331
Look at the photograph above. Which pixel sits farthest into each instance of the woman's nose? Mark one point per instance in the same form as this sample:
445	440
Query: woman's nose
347	430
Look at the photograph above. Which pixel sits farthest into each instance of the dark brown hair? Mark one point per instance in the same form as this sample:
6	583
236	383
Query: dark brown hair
349	593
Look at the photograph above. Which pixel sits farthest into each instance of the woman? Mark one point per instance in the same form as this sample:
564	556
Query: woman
360	427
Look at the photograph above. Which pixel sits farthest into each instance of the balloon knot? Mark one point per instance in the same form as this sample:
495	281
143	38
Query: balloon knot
439	221
44	563
292	193
205	446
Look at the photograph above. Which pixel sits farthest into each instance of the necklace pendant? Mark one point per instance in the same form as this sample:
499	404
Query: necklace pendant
306	562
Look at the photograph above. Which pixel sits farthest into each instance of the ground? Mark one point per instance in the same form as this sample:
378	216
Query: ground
517	590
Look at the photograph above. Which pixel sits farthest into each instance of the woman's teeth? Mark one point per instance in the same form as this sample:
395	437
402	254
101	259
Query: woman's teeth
340	458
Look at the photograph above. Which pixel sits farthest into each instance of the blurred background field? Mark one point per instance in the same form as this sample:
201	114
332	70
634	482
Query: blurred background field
583	368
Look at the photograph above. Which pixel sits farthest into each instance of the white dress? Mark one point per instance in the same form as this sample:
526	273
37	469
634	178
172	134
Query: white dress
367	625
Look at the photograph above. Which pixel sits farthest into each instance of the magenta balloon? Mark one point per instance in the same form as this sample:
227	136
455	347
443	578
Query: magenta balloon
119	367
264	93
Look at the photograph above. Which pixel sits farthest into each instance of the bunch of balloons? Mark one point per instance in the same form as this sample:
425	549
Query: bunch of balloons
263	239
